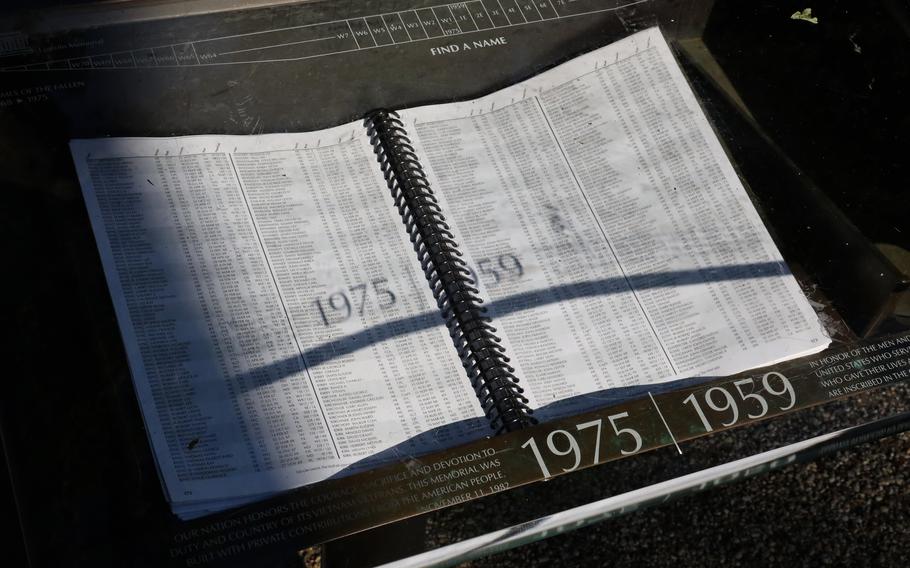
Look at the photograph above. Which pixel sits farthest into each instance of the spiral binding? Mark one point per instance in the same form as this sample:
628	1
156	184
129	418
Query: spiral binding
480	350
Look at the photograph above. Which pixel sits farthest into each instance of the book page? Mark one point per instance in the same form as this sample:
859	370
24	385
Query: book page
609	229
280	330
277	324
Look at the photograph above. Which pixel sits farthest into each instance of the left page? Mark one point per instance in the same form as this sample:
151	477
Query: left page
277	324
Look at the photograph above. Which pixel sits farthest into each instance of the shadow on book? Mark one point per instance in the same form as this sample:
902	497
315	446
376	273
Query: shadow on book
456	433
453	434
323	353
444	437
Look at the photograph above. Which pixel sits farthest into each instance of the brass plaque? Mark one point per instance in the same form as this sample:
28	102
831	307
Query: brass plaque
338	507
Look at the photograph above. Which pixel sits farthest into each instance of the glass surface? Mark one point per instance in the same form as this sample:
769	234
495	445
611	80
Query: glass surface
811	109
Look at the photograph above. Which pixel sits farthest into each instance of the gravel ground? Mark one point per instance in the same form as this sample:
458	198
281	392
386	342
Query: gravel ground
846	509
849	508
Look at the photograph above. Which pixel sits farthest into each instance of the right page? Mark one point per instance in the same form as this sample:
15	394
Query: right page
609	230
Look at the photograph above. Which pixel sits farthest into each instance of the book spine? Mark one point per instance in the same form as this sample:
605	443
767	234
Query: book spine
480	350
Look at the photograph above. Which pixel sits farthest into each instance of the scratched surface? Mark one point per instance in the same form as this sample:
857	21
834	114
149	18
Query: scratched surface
286	41
71	426
298	67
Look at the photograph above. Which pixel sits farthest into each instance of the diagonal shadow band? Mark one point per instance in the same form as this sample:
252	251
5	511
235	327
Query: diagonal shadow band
320	354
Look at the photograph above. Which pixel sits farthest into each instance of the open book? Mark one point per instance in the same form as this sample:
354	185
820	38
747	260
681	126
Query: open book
278	323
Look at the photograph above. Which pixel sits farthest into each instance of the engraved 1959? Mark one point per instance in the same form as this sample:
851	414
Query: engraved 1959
497	270
721	400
